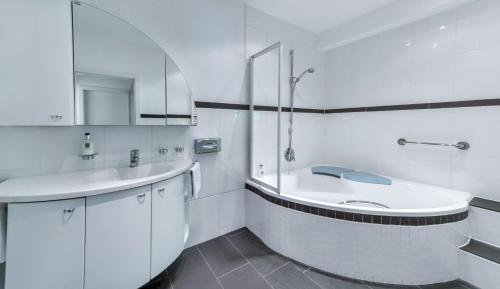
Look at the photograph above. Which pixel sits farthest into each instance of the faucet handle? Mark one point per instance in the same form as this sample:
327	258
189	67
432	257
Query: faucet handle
163	150
134	153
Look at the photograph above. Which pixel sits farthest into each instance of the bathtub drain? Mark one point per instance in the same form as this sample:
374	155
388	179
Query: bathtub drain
364	204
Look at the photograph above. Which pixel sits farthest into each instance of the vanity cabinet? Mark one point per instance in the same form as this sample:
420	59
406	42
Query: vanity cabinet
167	235
45	244
36	71
118	239
113	240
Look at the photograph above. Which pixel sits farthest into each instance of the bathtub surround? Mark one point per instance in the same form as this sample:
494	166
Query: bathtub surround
410	255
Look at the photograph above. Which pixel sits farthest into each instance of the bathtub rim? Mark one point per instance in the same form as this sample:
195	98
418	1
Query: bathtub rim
410	217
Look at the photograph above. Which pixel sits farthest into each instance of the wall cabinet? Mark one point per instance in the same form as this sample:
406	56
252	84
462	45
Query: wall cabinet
167	235
36	71
45	245
117	241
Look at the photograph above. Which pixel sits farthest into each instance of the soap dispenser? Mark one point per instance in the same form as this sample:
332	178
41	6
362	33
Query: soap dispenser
88	151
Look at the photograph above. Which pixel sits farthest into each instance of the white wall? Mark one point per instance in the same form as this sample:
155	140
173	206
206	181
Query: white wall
206	39
447	57
262	31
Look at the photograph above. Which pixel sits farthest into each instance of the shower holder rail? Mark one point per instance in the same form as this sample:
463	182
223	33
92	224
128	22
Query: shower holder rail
462	145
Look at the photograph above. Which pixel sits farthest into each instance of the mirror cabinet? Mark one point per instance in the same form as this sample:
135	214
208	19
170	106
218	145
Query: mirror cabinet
103	71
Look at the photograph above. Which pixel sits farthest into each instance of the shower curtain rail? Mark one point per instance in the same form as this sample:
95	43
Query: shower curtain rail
460	145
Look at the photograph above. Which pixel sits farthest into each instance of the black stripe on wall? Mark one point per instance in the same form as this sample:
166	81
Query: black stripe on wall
221	105
431	105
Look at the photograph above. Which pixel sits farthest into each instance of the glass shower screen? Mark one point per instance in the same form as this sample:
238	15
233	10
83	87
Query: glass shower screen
265	108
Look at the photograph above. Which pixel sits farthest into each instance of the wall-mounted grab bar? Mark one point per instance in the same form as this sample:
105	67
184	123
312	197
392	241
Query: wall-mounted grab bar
460	145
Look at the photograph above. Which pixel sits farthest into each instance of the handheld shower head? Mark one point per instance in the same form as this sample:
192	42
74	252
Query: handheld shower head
309	70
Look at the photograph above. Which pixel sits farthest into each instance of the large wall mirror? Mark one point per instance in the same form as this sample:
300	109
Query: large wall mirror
122	77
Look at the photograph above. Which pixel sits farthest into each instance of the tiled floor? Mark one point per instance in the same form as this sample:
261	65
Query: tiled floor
239	260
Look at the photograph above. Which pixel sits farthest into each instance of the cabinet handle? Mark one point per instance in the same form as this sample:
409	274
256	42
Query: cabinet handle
56	116
68	211
141	196
162	190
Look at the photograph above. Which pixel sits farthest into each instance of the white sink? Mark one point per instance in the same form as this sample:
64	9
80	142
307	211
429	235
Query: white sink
144	171
128	173
88	182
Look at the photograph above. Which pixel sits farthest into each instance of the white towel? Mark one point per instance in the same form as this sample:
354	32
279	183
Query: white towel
196	179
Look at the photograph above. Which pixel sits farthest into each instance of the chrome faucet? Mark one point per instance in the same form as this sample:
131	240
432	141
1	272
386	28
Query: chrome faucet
134	158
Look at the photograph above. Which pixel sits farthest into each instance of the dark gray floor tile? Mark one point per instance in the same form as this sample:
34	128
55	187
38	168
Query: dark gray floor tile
235	232
261	257
244	278
449	285
158	284
302	267
191	272
189	250
221	255
466	285
387	286
327	281
289	277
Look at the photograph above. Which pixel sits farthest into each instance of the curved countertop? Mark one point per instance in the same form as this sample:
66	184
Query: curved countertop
88	182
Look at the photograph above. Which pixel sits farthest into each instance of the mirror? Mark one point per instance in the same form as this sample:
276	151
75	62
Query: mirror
122	77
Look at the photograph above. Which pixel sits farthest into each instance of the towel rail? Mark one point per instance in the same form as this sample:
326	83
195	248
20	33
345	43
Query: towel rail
462	145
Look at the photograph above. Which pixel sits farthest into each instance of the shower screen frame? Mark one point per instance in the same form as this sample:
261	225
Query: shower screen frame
277	46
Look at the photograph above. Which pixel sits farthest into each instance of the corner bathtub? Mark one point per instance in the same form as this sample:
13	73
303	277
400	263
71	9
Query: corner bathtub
405	233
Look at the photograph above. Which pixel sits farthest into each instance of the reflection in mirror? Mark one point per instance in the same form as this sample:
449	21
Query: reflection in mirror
122	77
103	100
179	103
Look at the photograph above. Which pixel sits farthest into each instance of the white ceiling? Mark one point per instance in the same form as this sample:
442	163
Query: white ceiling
317	15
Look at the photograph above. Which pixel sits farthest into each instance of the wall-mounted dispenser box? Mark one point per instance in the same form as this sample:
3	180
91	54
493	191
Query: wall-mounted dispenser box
207	145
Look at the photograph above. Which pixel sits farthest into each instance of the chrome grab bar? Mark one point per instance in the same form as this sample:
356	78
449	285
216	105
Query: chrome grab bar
462	145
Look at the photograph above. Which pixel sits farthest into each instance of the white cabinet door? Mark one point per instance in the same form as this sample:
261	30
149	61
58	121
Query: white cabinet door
36	56
118	236
167	233
45	245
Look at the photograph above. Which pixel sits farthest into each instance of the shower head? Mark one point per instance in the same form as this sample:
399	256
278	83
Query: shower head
309	70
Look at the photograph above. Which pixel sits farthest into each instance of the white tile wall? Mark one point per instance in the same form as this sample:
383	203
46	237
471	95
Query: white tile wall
447	57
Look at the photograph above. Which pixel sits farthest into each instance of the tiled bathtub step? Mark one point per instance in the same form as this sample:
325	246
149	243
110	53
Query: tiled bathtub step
485	204
480	264
483	250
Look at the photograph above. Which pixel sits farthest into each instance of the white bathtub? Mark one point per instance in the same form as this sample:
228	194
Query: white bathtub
414	241
404	198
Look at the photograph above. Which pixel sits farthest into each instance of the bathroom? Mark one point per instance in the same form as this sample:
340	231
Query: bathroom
248	144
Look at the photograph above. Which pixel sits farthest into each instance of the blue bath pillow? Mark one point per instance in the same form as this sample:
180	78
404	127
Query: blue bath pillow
330	171
368	178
